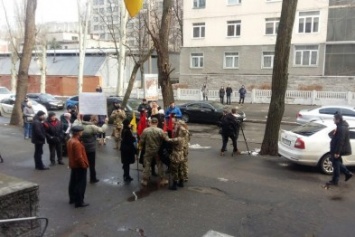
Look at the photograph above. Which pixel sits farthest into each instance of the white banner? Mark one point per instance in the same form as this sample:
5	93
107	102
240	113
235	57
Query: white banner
92	103
151	86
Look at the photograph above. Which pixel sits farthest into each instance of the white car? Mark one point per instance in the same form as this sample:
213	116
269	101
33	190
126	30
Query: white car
325	112
4	93
309	144
7	105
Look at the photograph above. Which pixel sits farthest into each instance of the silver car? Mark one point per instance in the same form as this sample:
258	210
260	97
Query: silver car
325	113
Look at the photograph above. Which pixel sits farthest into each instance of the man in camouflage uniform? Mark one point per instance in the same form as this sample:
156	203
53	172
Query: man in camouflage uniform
118	115
151	140
176	161
184	133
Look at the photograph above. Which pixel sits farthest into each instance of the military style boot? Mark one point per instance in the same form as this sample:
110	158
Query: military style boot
173	186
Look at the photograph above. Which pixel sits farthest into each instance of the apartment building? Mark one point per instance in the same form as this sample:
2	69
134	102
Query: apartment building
233	42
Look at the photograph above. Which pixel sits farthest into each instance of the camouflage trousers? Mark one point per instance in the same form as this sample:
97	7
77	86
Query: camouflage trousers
116	133
148	157
184	170
176	170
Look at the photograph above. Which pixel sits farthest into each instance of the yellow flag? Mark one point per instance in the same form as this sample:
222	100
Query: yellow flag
133	6
134	123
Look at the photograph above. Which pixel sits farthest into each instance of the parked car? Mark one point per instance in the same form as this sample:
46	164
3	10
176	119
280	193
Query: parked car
7	105
72	101
309	144
325	112
204	111
48	100
4	93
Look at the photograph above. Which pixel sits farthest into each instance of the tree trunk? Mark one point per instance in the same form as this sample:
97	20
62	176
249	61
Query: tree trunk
22	83
14	59
162	47
137	65
279	78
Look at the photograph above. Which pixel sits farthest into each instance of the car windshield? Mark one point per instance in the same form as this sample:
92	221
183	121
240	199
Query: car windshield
308	129
4	90
48	97
217	105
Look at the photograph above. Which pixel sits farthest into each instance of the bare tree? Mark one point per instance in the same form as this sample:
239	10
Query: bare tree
178	12
25	60
279	78
159	32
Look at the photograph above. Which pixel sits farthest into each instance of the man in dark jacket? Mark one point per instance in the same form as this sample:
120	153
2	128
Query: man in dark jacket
230	126
339	146
54	135
144	106
38	139
229	92
242	92
222	92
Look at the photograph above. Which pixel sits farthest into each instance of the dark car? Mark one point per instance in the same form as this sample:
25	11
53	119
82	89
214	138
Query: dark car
204	112
47	100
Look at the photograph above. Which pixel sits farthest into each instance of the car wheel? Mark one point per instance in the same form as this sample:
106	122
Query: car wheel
185	118
326	165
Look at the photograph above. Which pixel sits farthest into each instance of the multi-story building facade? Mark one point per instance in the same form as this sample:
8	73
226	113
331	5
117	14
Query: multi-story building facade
233	42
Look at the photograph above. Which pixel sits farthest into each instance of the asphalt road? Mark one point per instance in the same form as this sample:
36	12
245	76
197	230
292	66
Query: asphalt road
239	196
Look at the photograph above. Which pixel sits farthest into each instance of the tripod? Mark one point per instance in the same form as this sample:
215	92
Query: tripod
246	143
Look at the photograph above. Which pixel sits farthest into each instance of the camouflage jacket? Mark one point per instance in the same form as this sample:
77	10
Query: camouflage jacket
177	154
152	138
118	115
185	135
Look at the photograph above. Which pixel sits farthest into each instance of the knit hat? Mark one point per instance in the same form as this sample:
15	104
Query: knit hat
40	113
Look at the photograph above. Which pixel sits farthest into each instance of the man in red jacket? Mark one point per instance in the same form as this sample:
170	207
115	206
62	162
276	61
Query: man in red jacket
78	163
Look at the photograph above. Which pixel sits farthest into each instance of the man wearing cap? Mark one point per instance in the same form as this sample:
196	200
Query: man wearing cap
118	115
78	163
339	146
151	140
38	139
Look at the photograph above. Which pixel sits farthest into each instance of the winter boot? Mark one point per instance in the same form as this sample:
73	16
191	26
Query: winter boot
173	186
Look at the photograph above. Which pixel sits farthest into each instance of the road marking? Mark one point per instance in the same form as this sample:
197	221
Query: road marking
212	233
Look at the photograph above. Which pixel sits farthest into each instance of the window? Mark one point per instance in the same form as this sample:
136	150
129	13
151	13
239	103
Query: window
308	22
196	60
231	60
74	38
199	3
194	106
233	28
271	26
348	112
306	55
96	19
234	2
268	60
330	110
199	30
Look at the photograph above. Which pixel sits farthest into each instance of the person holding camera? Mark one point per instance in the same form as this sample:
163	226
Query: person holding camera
230	125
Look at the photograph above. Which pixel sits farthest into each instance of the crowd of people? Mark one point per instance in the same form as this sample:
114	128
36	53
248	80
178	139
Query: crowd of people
160	141
225	92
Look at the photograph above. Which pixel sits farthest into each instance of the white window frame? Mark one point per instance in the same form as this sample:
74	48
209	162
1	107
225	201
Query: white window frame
235	24
197	4
267	54
199	58
235	60
235	2
308	15
275	25
302	51
202	28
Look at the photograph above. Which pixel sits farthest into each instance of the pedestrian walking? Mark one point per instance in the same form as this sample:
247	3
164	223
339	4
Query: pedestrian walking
150	141
128	150
222	92
78	163
88	138
242	93
229	92
230	126
54	136
28	114
339	146
204	91
118	115
39	139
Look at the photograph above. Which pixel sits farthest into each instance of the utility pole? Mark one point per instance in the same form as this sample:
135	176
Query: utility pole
83	30
121	61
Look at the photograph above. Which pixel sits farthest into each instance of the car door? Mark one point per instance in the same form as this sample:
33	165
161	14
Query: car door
350	160
194	111
328	113
208	113
7	106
